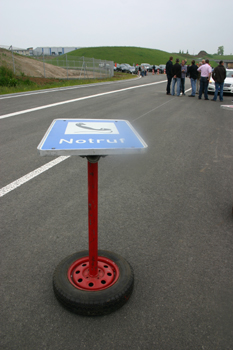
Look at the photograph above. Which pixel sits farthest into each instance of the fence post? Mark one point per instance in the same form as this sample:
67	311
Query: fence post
80	70
44	64
66	66
13	58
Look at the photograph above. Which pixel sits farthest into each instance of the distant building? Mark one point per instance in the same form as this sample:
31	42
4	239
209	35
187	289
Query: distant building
40	51
228	64
53	51
25	52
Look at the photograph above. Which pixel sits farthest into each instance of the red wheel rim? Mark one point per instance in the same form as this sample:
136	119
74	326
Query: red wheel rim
79	276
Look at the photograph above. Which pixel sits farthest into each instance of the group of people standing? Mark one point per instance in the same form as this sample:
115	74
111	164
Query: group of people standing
198	74
142	71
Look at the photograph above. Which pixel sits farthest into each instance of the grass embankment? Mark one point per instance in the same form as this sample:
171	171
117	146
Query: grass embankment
138	55
130	55
11	83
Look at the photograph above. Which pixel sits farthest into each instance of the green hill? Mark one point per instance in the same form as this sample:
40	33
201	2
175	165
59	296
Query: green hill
123	54
137	55
132	55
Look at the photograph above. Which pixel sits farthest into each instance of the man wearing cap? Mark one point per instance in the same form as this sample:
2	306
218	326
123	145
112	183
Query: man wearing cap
205	70
219	75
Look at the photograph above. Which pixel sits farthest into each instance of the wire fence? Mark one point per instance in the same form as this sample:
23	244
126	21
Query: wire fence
63	67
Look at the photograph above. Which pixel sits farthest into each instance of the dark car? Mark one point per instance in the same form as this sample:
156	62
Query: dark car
127	68
162	67
123	67
117	67
154	67
151	67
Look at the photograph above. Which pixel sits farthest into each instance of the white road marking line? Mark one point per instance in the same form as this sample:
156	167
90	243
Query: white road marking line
31	175
36	172
153	109
67	88
31	93
76	100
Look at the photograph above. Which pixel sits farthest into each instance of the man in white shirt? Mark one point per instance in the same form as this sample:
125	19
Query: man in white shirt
205	70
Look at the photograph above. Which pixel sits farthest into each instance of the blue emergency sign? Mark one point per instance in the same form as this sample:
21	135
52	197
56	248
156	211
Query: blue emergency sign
86	137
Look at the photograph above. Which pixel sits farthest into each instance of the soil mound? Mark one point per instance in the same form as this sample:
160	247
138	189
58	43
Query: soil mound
30	66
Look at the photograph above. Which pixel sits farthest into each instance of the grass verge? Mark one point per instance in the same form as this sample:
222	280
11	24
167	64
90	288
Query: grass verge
24	84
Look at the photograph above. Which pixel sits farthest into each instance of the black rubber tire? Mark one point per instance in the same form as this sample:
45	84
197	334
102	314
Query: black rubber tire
93	303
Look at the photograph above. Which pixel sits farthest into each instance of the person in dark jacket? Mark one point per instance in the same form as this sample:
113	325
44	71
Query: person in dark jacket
169	74
176	73
193	73
183	75
219	75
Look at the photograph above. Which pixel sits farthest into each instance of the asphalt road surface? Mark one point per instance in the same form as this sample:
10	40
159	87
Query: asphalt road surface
168	212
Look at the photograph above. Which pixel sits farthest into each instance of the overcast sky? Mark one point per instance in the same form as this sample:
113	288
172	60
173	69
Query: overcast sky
165	25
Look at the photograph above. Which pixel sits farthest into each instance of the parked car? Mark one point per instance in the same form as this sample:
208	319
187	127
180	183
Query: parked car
147	66
151	68
132	70
116	67
122	67
154	67
127	68
228	83
162	67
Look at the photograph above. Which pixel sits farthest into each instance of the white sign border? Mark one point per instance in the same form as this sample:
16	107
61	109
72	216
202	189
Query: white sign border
89	151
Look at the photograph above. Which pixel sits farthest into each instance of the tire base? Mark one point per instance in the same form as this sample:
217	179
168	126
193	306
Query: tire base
98	302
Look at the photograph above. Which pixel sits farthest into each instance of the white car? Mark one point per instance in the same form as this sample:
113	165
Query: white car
146	65
228	83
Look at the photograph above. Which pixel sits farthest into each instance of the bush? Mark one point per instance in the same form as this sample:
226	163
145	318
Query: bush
26	82
7	77
12	82
6	72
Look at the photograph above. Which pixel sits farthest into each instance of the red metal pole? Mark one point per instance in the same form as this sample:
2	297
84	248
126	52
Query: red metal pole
93	217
